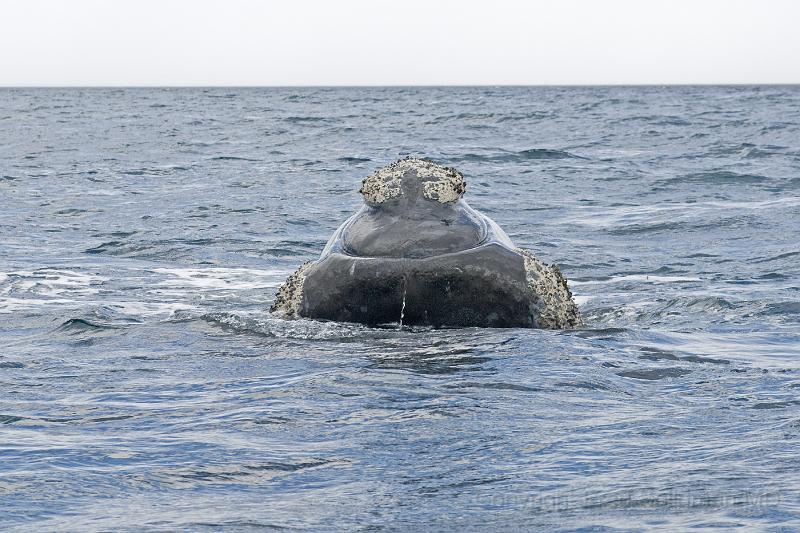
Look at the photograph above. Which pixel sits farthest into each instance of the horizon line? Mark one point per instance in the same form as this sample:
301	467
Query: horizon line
401	86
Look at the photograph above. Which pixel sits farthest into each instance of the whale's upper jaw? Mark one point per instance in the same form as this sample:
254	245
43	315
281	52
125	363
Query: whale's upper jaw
410	181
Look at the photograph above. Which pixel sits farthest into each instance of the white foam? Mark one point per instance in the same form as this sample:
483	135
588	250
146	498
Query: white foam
150	309
581	300
792	201
220	278
12	305
50	282
650	214
645	278
136	309
612	217
102	192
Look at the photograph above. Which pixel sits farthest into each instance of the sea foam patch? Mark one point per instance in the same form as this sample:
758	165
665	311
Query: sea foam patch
50	282
219	278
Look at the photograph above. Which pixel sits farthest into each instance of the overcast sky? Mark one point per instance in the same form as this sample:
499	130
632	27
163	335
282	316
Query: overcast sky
403	42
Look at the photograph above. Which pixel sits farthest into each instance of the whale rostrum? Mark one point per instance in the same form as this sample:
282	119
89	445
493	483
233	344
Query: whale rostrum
416	253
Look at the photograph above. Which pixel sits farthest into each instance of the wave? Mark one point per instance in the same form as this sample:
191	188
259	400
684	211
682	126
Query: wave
653	374
75	326
682	311
773	276
51	282
149	171
546	153
304	120
703	304
85	332
777	257
267	325
782	309
213	278
751	151
657	120
718	177
585	385
606	333
657	354
490	385
241	473
491	117
634	229
641	278
775	405
74	212
523	155
179	249
233	158
526	116
138	250
10	419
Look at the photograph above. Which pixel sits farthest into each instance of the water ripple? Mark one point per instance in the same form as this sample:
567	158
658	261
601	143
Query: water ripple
145	386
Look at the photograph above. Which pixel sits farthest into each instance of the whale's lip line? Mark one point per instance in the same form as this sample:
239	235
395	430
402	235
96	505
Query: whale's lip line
483	244
485	239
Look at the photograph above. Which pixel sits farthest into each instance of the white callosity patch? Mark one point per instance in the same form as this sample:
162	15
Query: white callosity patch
383	185
445	190
290	295
447	186
555	308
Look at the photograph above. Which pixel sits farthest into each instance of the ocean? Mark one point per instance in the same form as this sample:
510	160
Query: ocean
145	386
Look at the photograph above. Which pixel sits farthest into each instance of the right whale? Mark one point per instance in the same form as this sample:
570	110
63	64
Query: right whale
416	253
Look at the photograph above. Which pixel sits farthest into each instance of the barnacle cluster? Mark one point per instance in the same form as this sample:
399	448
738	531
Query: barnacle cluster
290	294
555	308
439	183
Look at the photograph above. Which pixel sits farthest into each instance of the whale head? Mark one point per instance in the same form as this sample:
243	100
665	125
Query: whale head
417	253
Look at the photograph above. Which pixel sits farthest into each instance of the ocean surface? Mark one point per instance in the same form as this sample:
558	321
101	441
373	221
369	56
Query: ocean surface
145	386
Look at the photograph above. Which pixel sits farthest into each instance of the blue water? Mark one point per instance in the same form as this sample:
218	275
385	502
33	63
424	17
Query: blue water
144	385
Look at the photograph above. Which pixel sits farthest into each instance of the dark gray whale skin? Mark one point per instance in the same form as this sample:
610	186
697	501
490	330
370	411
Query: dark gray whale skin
480	287
416	257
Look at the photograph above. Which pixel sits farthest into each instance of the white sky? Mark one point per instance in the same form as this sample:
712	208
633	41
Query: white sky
403	42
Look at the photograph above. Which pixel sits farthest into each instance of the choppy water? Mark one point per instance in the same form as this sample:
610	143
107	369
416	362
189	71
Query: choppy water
143	384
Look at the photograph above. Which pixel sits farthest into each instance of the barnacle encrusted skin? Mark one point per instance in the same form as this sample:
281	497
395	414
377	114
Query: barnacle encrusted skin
378	188
554	306
290	294
386	183
446	189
